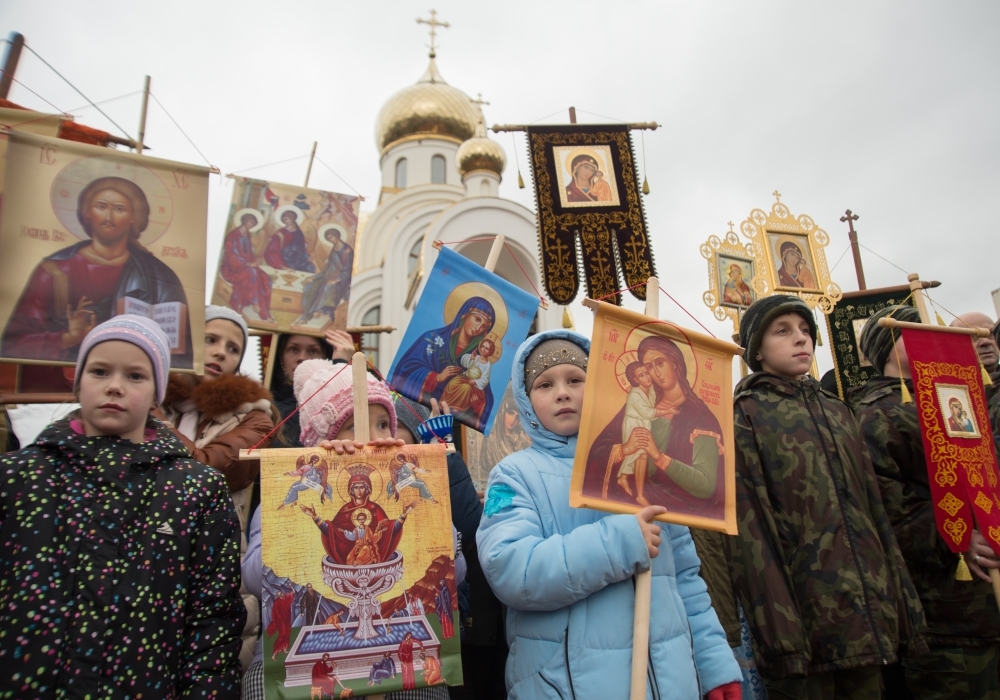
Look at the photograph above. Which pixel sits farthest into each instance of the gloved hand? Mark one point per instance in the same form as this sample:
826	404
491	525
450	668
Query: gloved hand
729	691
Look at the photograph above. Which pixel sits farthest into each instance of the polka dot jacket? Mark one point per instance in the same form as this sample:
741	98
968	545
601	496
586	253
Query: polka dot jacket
119	570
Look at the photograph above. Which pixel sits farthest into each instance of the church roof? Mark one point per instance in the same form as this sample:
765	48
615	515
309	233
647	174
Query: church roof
431	107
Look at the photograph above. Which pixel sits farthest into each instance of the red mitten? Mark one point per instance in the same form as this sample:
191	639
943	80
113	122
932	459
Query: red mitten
729	691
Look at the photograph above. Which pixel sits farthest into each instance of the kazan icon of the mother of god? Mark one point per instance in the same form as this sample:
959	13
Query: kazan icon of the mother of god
76	288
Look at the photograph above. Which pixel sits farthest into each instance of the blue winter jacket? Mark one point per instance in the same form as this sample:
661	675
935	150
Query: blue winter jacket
566	575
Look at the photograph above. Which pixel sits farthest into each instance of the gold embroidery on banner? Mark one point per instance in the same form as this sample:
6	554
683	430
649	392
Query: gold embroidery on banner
950	504
984	502
994	532
955	529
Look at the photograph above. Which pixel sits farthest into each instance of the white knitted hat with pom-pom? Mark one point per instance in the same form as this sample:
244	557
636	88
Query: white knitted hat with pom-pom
322	417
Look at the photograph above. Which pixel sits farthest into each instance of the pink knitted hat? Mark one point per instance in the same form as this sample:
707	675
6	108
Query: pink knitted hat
326	412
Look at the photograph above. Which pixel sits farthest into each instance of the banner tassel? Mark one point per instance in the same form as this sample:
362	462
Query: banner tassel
819	339
906	398
939	319
986	375
962	573
520	180
645	185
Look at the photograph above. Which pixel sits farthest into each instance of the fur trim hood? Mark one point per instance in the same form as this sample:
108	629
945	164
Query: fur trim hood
219	398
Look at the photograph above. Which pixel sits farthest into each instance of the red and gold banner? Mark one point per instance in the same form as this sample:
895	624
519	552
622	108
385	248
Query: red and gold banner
958	444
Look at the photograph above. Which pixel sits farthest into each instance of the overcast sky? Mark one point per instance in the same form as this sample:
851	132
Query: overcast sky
890	108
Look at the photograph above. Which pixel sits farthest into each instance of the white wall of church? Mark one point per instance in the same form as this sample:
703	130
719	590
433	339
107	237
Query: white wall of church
418	154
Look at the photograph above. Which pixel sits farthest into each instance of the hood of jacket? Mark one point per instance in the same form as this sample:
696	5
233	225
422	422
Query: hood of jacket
541	437
218	399
67	437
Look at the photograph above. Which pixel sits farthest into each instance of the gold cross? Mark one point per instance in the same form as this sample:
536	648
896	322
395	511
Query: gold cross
730	227
777	195
434	24
479	100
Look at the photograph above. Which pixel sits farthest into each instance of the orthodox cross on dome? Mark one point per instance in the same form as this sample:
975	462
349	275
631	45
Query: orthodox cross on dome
730	226
777	195
434	24
479	102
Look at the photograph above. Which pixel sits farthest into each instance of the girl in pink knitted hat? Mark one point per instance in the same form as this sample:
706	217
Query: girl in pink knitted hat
325	393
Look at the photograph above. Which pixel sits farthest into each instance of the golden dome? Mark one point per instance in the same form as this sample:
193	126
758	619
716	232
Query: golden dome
432	106
480	153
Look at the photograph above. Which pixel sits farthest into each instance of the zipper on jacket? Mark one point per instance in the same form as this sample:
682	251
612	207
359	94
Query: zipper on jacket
569	673
847	524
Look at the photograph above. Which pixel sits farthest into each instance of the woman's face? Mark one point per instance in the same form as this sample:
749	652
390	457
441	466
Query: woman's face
474	323
110	216
298	349
510	419
660	368
585	171
791	257
956	409
736	275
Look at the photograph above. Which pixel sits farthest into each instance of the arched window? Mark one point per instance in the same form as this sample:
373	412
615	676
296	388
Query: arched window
414	258
437	170
401	173
369	341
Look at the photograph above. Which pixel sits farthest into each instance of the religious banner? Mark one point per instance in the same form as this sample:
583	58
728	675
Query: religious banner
958	443
844	324
287	256
589	210
790	251
657	424
737	276
507	437
25	120
459	345
358	572
89	233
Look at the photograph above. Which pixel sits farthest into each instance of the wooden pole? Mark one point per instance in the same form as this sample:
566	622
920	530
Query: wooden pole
918	296
643	579
494	256
15	42
309	169
359	367
850	218
142	117
497	128
572	115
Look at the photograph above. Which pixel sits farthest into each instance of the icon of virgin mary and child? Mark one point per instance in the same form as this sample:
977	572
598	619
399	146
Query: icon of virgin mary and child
361	533
452	364
678	443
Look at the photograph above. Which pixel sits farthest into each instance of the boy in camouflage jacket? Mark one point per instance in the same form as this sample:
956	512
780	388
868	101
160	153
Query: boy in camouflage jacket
815	565
962	617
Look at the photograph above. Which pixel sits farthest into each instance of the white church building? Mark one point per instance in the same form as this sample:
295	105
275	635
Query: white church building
440	182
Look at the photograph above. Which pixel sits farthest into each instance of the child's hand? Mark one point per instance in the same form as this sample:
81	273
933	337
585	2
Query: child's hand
439	409
386	442
650	531
341	446
729	691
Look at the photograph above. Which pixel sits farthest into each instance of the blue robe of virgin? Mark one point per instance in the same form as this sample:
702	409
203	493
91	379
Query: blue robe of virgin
436	350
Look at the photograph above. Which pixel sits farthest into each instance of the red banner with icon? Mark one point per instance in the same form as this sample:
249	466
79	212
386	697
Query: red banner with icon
958	443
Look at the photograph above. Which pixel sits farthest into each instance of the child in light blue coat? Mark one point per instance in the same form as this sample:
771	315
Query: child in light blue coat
567	574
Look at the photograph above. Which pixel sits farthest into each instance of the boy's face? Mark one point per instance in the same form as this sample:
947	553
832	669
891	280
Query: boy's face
787	347
642	376
379	426
223	347
117	390
557	398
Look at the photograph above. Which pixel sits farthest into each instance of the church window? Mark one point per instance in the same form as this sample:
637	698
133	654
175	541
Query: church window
437	170
369	341
401	173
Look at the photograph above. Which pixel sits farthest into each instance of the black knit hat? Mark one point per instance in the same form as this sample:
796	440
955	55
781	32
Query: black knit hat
758	317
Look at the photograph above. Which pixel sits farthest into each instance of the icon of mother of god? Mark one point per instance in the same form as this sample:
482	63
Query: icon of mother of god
78	287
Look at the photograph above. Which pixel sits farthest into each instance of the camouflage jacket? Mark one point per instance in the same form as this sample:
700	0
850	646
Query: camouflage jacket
815	564
961	613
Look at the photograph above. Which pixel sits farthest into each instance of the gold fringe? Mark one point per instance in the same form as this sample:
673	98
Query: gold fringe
645	185
906	398
819	339
962	573
986	376
520	180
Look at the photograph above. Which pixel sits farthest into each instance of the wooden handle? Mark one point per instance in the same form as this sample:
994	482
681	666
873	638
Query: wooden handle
360	368
995	580
640	634
916	287
491	261
653	297
893	323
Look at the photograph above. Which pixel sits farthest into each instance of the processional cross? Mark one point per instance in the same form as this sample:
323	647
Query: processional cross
434	24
